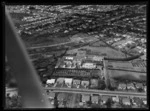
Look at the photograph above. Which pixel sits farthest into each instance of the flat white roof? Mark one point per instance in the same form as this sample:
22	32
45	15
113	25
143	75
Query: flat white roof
71	58
49	81
68	80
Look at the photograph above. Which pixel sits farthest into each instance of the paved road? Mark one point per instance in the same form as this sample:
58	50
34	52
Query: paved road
91	91
100	92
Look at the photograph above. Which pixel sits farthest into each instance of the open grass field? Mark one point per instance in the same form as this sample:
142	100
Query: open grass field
121	65
109	51
126	75
98	44
81	36
126	65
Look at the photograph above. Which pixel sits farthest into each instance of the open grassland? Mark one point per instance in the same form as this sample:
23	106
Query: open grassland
127	75
126	65
106	50
98	44
121	65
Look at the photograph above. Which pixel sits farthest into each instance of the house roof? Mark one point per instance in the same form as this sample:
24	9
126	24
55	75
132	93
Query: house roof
98	58
94	98
51	94
126	101
68	80
50	81
61	96
76	81
115	99
85	97
69	57
94	82
137	100
104	98
60	80
144	100
139	85
122	85
130	85
85	82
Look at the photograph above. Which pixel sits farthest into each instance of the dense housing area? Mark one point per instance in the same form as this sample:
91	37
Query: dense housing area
86	56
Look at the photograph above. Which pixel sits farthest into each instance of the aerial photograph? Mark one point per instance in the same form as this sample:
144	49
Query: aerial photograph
83	56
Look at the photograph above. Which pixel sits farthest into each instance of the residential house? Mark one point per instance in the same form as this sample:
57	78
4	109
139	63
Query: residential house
133	102
76	83
69	58
145	88
115	99
51	95
122	86
139	85
144	101
104	99
85	98
68	82
98	58
85	84
130	86
59	82
94	83
126	101
50	82
89	65
137	101
94	99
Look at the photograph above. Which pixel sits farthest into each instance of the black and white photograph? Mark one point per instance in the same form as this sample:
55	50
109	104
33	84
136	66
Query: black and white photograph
76	56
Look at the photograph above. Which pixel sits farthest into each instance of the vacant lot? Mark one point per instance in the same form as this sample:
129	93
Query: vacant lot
126	75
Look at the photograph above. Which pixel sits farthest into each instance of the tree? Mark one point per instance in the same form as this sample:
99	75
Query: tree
31	8
140	90
13	102
89	103
56	102
108	103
